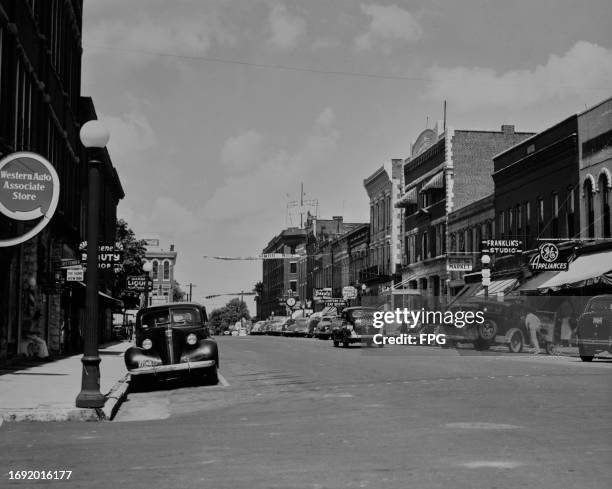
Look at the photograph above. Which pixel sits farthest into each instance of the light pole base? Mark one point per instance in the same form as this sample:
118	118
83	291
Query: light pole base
90	395
90	399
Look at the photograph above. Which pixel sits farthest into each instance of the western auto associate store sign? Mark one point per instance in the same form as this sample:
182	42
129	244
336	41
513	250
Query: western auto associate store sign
29	191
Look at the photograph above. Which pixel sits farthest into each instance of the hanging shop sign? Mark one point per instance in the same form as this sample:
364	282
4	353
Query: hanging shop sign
349	292
548	258
75	274
502	246
29	191
322	294
110	256
459	265
335	302
138	283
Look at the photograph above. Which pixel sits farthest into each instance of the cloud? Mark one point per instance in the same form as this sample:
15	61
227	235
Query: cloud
286	29
243	151
580	70
257	198
130	133
388	24
168	32
170	219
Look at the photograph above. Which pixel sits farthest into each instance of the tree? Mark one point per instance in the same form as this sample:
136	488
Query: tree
236	310
215	320
224	317
177	292
133	258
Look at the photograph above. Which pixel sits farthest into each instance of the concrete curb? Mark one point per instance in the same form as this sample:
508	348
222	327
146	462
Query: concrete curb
49	414
42	413
115	397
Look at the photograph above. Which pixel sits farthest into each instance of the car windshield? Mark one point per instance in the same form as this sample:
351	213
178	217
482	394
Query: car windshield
161	317
601	305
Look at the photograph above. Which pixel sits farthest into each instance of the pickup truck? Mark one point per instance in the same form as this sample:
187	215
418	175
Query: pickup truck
594	333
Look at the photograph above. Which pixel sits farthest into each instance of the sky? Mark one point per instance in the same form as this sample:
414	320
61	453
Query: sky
219	109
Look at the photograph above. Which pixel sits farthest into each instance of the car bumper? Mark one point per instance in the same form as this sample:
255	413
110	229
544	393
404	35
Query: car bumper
174	368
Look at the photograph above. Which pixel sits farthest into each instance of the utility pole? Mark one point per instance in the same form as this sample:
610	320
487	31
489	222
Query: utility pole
191	290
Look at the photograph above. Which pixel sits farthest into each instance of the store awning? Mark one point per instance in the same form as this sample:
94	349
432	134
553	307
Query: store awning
437	181
408	199
532	284
499	286
117	303
583	271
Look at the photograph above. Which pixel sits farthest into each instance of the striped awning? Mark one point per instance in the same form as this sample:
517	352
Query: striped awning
408	199
499	286
437	181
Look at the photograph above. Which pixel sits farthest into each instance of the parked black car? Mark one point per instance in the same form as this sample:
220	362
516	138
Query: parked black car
594	333
173	340
357	326
323	328
503	324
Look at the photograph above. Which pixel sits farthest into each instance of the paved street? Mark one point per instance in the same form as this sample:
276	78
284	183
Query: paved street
298	413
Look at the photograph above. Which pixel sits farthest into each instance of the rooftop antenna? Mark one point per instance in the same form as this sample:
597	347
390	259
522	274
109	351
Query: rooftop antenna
445	116
303	207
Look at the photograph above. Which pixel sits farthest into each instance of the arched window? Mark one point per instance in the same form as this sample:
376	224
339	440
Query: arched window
166	270
555	215
589	208
604	191
155	270
571	207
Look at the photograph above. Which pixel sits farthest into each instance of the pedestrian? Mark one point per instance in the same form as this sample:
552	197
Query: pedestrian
566	321
533	325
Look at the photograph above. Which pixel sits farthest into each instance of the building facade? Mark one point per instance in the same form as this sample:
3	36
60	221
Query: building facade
162	274
385	244
467	227
280	276
536	189
41	110
446	171
595	170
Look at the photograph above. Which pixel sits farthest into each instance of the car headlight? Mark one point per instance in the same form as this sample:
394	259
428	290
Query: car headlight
147	344
192	339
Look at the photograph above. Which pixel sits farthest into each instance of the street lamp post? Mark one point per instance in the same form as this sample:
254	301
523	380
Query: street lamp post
147	267
94	137
486	274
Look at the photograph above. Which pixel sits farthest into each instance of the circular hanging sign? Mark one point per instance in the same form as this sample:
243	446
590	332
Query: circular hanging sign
29	189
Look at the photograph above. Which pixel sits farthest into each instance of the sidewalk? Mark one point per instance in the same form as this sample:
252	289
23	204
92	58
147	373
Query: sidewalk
47	391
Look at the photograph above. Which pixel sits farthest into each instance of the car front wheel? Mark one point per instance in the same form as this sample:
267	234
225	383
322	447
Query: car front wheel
336	341
515	345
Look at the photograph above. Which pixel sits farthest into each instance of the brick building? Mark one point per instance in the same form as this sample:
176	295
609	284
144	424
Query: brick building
385	238
280	275
41	110
536	194
595	170
162	274
467	227
327	262
446	171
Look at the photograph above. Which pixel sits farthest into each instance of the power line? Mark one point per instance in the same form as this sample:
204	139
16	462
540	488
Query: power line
319	71
258	65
